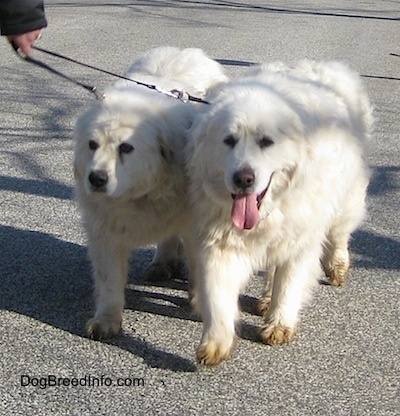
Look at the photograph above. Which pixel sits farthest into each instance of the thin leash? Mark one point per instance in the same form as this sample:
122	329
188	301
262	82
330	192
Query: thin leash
181	95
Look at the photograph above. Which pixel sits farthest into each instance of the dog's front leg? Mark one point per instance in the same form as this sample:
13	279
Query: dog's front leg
110	270
222	276
293	284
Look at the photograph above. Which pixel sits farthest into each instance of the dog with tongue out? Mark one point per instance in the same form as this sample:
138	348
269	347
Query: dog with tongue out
278	182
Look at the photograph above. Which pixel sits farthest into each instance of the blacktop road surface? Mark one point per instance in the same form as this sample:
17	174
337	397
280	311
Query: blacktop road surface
345	359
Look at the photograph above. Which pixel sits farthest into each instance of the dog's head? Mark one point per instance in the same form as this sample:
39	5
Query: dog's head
124	146
245	149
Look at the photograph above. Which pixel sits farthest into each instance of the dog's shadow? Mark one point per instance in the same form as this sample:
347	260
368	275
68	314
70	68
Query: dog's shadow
43	277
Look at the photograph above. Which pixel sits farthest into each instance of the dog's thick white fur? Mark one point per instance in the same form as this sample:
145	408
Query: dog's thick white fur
129	172
278	181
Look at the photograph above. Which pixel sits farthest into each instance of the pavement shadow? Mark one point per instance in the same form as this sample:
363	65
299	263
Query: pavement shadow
376	251
40	187
384	180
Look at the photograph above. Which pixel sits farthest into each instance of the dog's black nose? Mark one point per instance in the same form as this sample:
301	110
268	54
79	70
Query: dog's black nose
98	179
244	178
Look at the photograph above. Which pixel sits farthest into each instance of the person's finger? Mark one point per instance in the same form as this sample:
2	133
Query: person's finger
25	41
26	47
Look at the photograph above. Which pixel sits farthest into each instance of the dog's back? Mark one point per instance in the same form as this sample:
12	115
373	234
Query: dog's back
189	69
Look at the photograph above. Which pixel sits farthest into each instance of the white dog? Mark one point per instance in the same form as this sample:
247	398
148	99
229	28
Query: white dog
129	172
278	181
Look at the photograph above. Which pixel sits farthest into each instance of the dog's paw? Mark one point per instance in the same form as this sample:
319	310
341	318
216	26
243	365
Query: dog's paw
276	334
337	273
158	272
336	267
213	352
103	327
263	305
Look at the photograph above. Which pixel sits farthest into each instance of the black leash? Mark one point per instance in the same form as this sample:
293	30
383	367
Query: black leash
178	94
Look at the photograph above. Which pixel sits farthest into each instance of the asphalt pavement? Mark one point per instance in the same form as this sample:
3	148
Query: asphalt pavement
345	359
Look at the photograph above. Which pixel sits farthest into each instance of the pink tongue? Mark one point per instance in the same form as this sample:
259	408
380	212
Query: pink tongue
245	213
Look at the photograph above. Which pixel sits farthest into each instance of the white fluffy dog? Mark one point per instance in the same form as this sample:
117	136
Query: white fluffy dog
278	181
129	171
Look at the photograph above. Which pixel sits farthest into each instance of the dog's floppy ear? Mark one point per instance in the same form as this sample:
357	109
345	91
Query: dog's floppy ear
293	129
165	152
164	146
198	129
163	132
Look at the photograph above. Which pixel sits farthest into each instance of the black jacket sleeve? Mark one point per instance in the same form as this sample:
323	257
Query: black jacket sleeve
21	16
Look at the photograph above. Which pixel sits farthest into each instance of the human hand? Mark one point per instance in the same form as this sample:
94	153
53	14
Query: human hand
24	41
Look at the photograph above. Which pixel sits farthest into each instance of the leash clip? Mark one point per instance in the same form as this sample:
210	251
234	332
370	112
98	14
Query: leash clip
99	96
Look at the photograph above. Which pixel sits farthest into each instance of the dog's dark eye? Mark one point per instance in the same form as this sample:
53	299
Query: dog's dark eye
266	142
230	141
93	145
125	148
